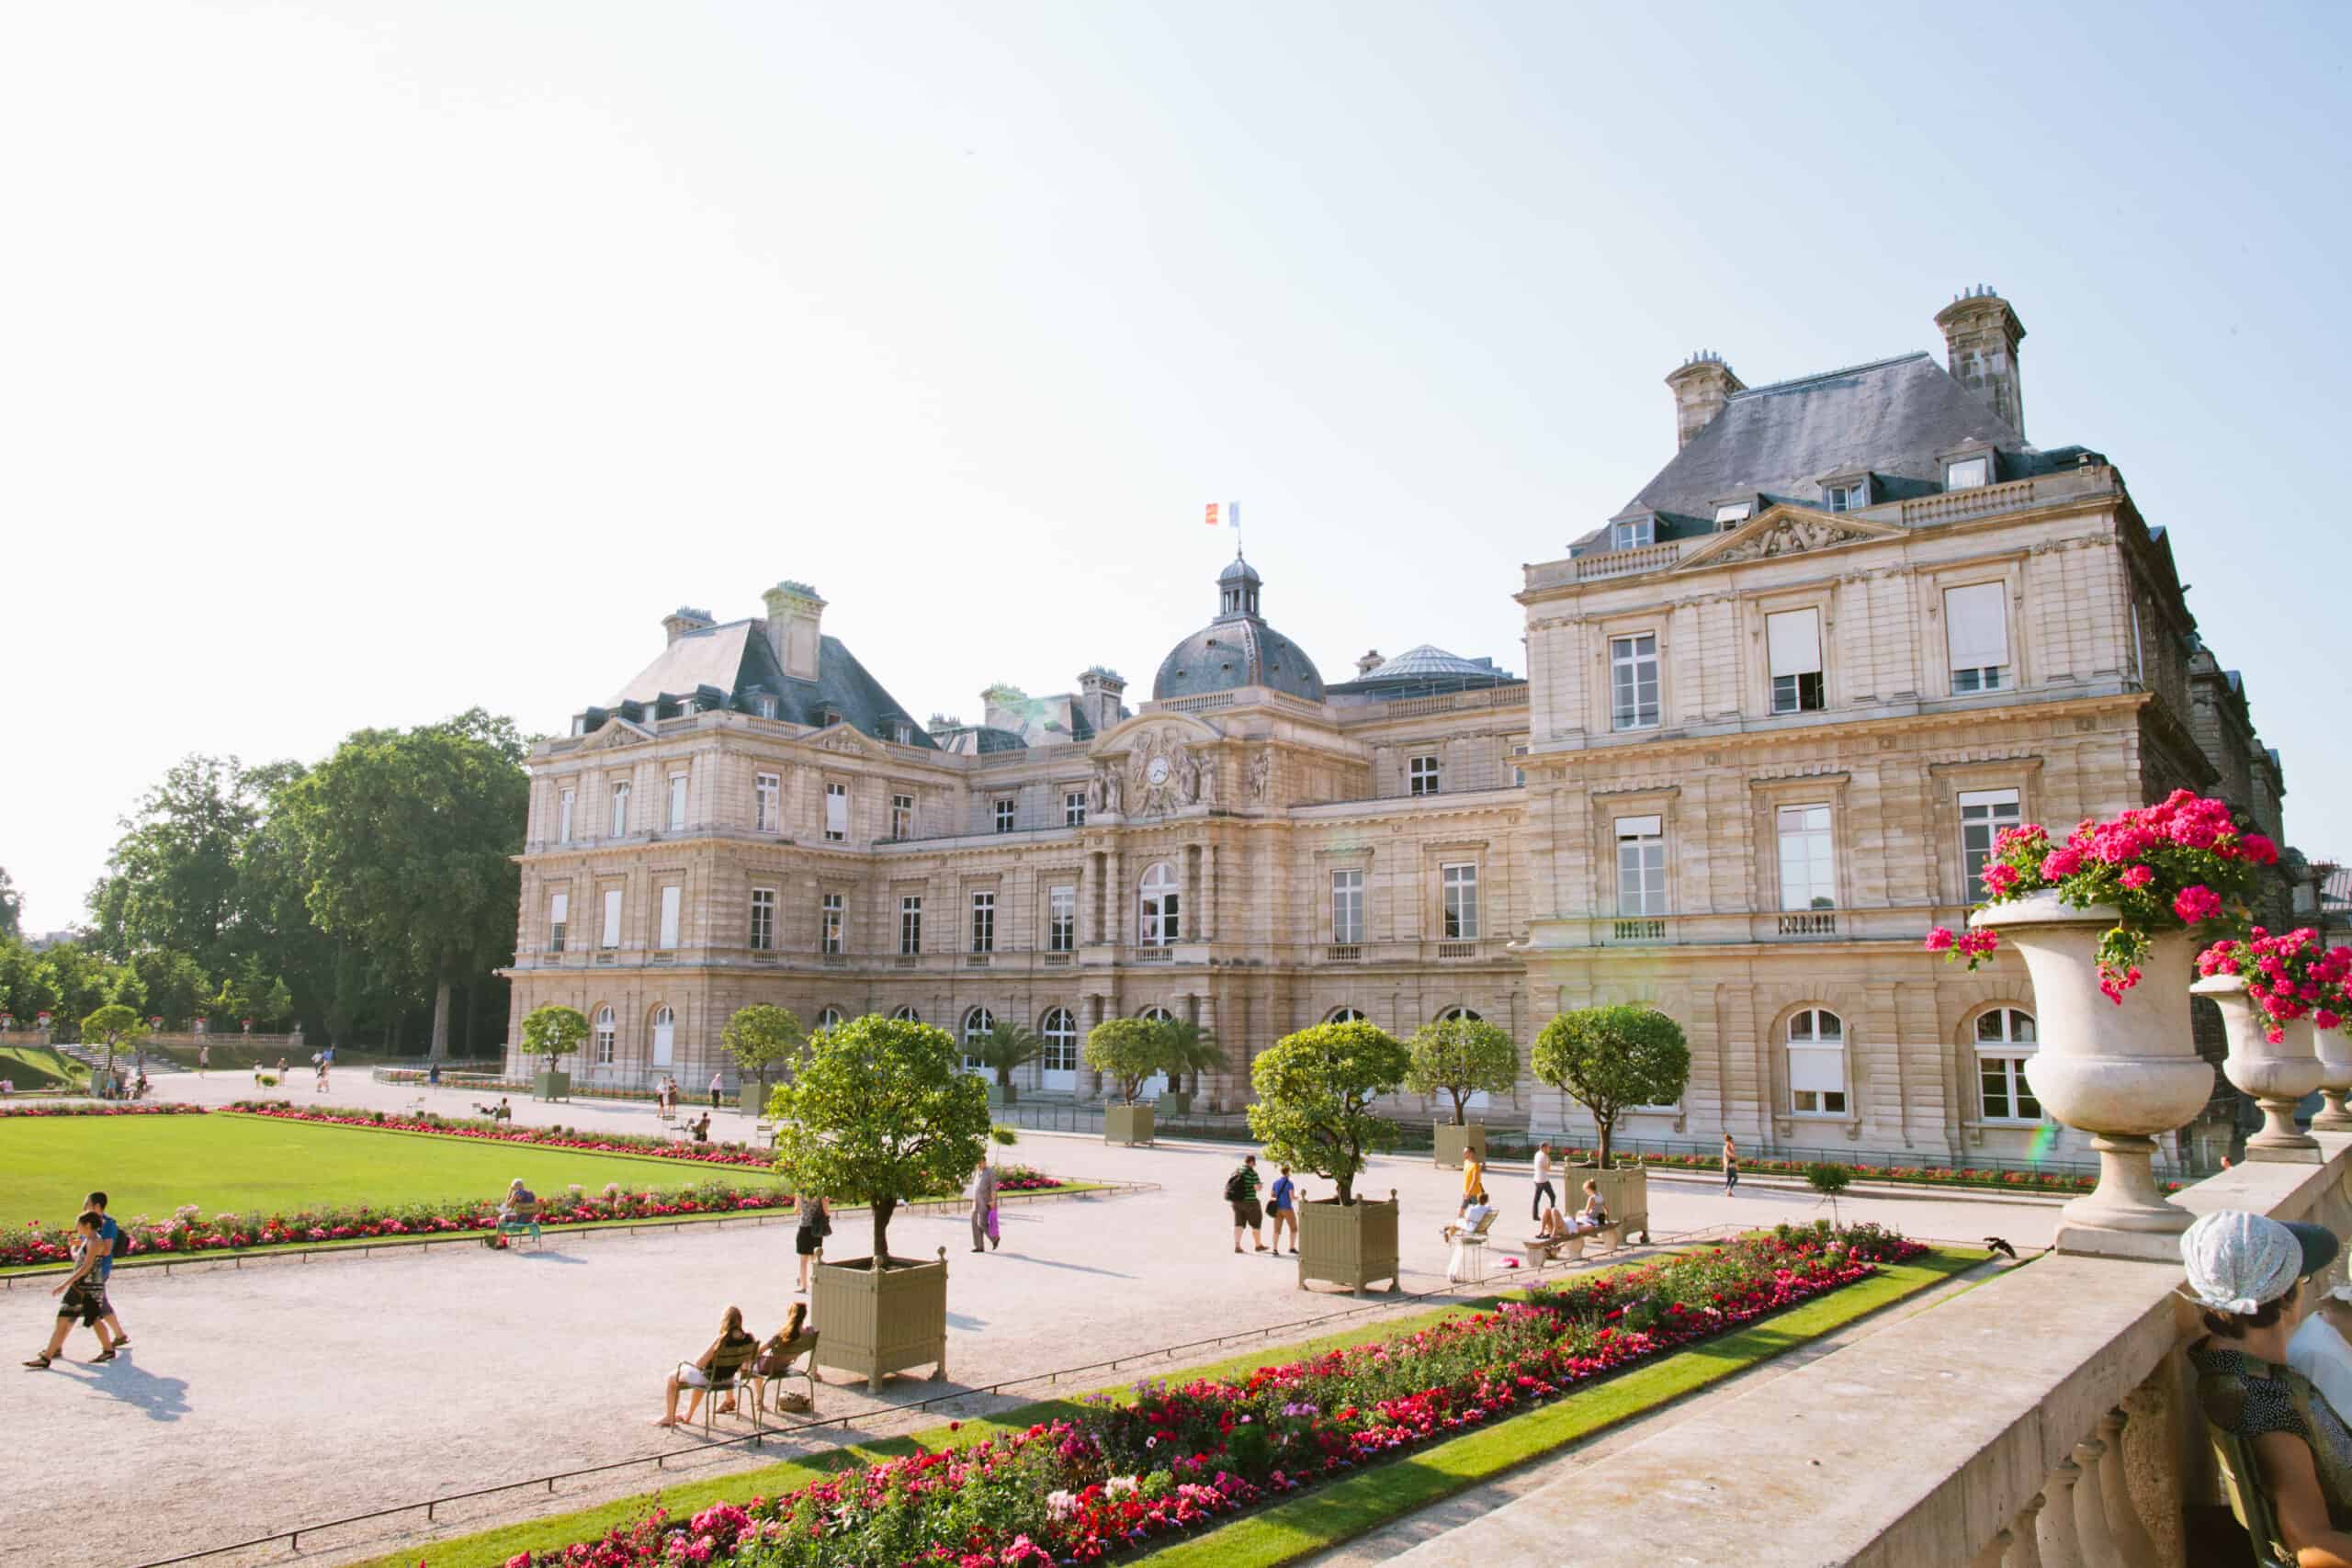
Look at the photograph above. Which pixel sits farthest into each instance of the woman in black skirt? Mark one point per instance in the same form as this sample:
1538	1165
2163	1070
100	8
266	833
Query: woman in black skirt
816	1224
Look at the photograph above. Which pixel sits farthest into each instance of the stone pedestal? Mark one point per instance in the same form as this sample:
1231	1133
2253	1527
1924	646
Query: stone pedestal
2335	1051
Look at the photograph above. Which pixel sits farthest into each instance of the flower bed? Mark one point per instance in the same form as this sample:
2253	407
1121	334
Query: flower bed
132	1108
1120	1475
458	1078
544	1137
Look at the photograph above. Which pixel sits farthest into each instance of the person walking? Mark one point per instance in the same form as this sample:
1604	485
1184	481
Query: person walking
1543	1183
1241	1191
1730	1166
1474	1180
983	1206
714	1085
109	1238
1282	1203
83	1294
816	1224
203	1059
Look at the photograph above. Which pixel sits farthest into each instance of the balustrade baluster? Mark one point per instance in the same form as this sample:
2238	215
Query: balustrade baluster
2062	1547
2025	1545
2090	1509
1994	1553
2133	1542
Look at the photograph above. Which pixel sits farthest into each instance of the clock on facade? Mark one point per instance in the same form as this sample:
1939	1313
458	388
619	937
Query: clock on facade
1156	770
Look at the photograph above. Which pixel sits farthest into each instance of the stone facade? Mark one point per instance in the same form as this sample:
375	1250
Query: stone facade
1766	719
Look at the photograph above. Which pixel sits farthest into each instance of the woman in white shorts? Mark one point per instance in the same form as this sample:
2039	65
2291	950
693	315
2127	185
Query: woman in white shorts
718	1364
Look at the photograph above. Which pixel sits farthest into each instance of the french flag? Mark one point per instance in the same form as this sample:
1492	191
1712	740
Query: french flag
1227	512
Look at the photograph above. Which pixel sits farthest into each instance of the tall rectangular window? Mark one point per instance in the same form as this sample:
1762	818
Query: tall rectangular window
983	922
829	923
558	920
910	923
671	897
1968	473
1347	906
1983	813
767	794
1793	640
902	817
1808	870
836	812
677	803
563	818
1074	808
610	937
1641	865
621	809
1004	815
763	919
1633	680
1976	632
1458	890
1061	919
1422	776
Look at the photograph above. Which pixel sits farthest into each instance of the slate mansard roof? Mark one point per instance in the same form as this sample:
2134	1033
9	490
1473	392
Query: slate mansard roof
1895	420
735	663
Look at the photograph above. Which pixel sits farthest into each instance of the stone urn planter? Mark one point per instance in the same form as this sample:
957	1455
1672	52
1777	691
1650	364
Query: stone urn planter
2122	1073
553	1086
879	1321
1456	1139
1127	1125
1625	1192
2335	1080
2276	1078
1349	1243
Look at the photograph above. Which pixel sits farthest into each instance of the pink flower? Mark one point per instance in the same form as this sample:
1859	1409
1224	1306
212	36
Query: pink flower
2060	864
1939	940
2138	876
1999	879
2259	849
2325	1018
2196	904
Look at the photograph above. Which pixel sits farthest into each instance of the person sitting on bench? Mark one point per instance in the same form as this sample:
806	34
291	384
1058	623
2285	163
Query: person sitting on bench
1594	1216
520	1212
714	1366
702	1129
1553	1226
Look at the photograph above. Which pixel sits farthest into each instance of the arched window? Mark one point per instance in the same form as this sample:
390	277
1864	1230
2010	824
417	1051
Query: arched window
607	1032
1160	900
977	1025
1450	1014
908	1015
1817	1063
665	1036
1346	1015
829	1018
1155	1014
2005	1043
1059	1029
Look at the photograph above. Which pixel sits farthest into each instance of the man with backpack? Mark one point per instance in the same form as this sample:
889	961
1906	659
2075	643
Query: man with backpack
115	1244
1241	1191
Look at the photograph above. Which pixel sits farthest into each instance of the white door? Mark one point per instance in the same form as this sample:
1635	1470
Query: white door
664	1037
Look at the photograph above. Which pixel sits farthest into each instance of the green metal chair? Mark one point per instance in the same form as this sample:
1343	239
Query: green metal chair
2242	1483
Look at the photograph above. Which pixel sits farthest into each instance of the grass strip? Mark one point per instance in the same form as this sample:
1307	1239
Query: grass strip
492	1548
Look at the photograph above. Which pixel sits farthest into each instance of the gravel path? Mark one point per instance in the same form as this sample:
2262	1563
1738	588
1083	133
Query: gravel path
284	1394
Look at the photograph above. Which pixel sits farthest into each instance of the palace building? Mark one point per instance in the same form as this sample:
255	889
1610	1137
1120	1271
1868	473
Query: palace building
1776	709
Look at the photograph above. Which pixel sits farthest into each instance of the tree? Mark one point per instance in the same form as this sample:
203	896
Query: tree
879	1113
1187	1048
251	993
407	841
12	907
171	882
553	1031
1829	1180
1314	1094
1460	1057
116	1025
1006	1046
176	987
760	1037
1607	1059
1128	1050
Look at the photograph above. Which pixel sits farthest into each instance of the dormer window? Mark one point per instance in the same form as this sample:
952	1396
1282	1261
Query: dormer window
1848	495
764	706
1967	473
580	724
903	733
833	717
1634	532
1732	514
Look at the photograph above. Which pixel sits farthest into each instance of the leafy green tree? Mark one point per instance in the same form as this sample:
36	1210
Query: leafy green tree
407	839
251	993
760	1037
116	1025
553	1031
1006	1047
1829	1180
1314	1094
1459	1057
171	882
12	907
82	982
1610	1058
1127	1051
176	987
28	983
880	1112
1188	1048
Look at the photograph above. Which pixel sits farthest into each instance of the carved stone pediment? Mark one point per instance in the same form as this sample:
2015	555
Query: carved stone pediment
616	731
1788	531
1165	768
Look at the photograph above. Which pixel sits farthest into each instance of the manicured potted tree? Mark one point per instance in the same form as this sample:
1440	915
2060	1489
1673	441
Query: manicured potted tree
1607	1059
1315	1090
757	1039
114	1024
1003	1049
555	1031
1187	1050
1126	1050
878	1112
1458	1058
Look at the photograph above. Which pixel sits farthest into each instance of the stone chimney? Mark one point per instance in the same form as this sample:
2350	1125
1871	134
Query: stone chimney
795	617
1980	338
1099	690
682	620
1702	387
1368	663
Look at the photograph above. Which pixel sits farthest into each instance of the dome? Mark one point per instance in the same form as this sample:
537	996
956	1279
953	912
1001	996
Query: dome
1419	663
1236	649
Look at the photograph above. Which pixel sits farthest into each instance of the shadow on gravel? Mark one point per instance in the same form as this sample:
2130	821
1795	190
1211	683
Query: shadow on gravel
162	1399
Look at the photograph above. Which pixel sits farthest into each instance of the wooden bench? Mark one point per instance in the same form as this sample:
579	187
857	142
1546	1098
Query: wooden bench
1547	1248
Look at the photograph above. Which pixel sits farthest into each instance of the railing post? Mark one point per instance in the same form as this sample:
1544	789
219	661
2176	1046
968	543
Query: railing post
2062	1547
2090	1508
2133	1542
2025	1546
1996	1550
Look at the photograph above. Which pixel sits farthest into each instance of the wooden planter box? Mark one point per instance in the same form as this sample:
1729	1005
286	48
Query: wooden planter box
1625	1191
1177	1100
1128	1125
1004	1094
882	1321
752	1097
1454	1140
1352	1244
554	1085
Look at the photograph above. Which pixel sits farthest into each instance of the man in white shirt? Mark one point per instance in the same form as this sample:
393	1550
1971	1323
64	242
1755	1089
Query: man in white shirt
2322	1352
715	1084
1543	1183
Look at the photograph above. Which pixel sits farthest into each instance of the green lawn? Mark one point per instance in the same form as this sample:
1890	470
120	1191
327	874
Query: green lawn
41	1067
152	1165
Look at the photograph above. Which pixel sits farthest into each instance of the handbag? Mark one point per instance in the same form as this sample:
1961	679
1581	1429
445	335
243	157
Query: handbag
993	1233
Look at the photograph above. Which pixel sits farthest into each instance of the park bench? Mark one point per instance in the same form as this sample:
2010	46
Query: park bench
521	1220
1547	1248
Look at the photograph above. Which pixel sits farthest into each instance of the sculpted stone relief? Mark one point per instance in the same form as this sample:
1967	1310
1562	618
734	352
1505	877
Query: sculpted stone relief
1160	776
1788	537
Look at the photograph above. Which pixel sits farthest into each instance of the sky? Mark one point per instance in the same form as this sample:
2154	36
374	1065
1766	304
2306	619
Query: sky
360	364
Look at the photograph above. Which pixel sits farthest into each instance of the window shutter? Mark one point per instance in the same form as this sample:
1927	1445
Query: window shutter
1975	626
558	909
837	812
668	919
612	935
1640	827
1794	638
1988	797
1817	1070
